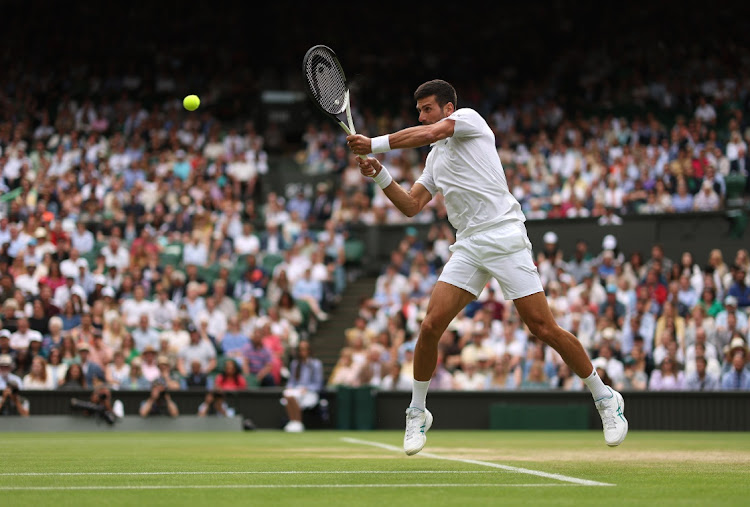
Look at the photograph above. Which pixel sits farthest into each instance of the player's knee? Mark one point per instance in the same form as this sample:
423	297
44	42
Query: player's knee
545	331
429	330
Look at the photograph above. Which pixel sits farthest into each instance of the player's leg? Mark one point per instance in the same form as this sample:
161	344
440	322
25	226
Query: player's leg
535	312
460	282
506	254
445	303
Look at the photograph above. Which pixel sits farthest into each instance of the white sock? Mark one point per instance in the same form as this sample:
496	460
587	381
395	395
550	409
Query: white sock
596	386
419	393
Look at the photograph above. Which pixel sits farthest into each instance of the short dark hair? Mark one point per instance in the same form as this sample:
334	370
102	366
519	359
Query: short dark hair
442	90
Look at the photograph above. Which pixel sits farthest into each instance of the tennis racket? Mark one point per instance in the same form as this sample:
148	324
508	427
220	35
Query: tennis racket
327	86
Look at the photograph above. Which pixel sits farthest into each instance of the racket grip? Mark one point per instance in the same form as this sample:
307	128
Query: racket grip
350	131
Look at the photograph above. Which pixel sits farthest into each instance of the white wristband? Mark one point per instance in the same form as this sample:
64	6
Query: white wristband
380	144
384	178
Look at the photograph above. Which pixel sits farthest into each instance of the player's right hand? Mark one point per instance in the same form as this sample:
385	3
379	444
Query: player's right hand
369	166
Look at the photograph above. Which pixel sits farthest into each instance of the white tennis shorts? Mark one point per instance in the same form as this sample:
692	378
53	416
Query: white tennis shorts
503	253
305	398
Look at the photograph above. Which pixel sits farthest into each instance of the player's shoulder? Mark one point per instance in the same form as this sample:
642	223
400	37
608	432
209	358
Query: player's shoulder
469	123
465	112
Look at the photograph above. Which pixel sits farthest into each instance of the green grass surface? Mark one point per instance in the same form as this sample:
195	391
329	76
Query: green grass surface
266	468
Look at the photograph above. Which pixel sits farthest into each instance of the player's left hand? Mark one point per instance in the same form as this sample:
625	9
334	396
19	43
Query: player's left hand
369	167
359	144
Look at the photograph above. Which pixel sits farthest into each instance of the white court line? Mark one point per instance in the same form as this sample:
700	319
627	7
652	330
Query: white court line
508	468
269	486
240	472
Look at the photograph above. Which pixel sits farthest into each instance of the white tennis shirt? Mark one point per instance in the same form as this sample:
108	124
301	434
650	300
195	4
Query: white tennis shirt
467	170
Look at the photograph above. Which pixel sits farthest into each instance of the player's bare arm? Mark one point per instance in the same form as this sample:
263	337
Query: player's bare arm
409	203
412	137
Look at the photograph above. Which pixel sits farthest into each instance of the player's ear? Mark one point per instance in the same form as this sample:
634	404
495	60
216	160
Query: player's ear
449	108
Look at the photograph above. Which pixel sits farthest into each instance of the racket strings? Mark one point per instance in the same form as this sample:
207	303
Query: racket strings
326	81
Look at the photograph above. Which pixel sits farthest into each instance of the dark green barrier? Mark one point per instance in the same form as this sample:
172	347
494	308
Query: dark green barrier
515	416
356	408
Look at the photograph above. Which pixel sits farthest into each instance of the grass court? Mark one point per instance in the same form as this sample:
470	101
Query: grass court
333	468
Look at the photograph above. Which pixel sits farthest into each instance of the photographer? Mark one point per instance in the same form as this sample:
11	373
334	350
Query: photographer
6	377
159	403
13	403
215	404
100	404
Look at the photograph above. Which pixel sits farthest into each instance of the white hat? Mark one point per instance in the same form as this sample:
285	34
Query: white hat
730	300
100	279
108	292
550	237
609	242
77	290
82	263
600	362
608	333
69	271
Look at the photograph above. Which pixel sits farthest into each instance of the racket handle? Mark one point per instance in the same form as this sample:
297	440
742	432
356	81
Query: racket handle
350	131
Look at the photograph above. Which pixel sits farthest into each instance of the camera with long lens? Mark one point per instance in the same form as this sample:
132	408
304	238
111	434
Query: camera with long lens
91	408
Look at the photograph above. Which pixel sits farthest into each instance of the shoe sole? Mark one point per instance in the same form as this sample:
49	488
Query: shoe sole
621	402
427	426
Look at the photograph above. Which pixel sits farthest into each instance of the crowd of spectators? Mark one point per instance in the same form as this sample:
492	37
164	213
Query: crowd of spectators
137	247
648	322
564	164
143	244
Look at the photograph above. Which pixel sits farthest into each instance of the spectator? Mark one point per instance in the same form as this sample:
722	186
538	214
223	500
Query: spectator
196	378
667	377
198	349
82	239
345	371
215	404
311	291
234	339
133	309
118	371
144	335
737	378
135	381
739	289
731	310
504	375
21	339
11	402
169	379
302	391
159	402
258	359
37	378
247	243
74	379
56	369
91	370
6	375
707	199
700	379
231	378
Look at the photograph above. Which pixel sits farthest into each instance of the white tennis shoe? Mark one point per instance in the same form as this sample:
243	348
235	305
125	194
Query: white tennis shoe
418	422
612	412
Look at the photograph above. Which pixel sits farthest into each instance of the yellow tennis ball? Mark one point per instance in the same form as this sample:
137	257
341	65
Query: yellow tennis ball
191	102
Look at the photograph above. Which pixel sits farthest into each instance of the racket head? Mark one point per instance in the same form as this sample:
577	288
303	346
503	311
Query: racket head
325	81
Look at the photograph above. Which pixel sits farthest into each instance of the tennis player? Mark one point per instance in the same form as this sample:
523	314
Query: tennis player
491	241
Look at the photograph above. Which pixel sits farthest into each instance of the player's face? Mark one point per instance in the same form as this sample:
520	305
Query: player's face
430	112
